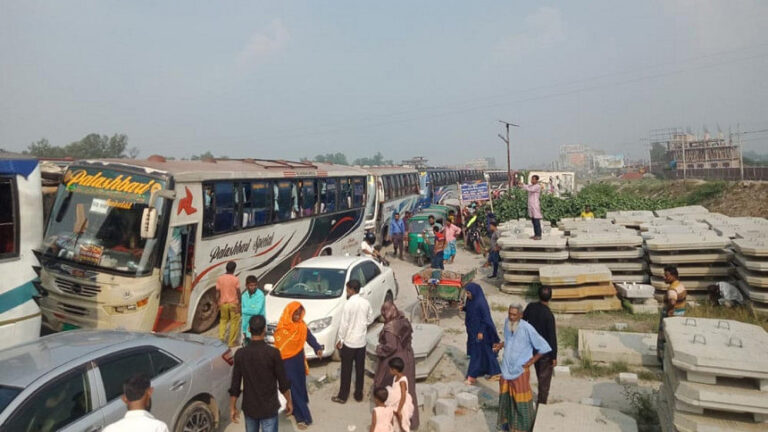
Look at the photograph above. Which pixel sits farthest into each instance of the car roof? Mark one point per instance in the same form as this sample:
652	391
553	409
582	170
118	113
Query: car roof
21	365
333	262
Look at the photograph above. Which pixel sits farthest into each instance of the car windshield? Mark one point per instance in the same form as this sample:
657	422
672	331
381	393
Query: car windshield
96	219
7	394
303	282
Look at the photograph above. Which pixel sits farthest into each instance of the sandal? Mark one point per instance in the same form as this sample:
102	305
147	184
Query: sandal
302	426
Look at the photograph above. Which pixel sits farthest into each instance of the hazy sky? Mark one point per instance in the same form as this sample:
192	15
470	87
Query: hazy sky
286	79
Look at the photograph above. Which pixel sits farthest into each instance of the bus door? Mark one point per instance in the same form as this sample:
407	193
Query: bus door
177	277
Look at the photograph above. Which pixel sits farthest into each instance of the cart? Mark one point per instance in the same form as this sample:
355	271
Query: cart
438	290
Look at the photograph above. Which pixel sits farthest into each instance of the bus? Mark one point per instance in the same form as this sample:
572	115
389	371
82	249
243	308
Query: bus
395	190
21	231
139	244
440	184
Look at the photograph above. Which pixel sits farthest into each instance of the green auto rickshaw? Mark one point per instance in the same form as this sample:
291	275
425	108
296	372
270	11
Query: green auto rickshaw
421	238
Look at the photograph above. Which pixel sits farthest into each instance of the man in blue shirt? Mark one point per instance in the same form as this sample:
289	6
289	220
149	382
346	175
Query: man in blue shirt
396	233
252	303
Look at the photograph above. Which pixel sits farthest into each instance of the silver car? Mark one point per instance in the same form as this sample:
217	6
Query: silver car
73	381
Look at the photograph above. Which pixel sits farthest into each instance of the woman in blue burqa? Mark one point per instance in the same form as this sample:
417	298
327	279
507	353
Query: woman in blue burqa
481	336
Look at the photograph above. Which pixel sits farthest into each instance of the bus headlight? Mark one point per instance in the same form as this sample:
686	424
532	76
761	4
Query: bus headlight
320	324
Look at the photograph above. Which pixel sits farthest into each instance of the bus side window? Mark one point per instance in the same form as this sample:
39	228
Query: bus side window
224	204
330	195
387	187
283	200
345	195
8	222
208	209
257	209
358	192
308	197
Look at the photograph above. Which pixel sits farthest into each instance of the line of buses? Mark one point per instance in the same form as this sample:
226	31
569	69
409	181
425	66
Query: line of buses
138	244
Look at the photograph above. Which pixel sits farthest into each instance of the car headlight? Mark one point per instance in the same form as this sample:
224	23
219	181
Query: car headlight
319	324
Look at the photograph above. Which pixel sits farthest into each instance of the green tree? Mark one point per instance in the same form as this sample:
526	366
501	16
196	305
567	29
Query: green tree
206	155
334	158
377	159
92	146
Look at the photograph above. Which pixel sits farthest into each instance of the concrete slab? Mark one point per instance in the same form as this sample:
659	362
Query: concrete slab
527	266
635	291
678	242
605	241
642	309
426	346
514	288
620	277
704	256
698	284
574	274
754	279
755	247
609	346
534	254
601	230
585	305
754	294
581	418
717	348
583	291
718	269
751	263
548	243
729	394
685	210
710	422
521	278
607	254
752	233
630	265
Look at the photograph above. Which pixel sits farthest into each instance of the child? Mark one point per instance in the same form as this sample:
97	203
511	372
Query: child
252	304
228	297
399	398
381	419
437	253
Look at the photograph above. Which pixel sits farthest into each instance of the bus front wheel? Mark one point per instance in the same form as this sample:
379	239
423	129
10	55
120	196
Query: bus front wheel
206	312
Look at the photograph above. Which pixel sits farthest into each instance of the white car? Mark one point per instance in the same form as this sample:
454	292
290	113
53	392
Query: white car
319	284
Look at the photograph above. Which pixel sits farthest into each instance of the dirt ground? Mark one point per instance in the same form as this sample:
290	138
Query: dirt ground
353	416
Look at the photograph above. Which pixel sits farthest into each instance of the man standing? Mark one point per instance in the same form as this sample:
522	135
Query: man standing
396	233
541	318
674	305
489	217
252	304
356	316
259	370
521	340
228	296
137	395
534	206
493	250
450	231
437	250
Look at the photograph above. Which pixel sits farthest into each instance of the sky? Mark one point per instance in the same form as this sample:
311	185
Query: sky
291	79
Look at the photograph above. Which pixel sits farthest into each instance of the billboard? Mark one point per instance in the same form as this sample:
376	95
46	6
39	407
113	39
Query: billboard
475	191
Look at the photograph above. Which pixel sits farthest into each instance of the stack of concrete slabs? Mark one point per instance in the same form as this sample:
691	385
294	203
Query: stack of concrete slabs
581	418
638	298
637	349
685	210
580	288
672	420
715	371
751	259
522	258
622	254
630	218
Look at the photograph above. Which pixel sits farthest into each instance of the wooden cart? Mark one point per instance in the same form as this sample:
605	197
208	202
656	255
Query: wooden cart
438	290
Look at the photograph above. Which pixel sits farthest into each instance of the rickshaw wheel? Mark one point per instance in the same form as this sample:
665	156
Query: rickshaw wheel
420	260
429	313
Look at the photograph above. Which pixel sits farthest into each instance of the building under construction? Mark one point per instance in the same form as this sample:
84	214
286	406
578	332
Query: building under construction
685	151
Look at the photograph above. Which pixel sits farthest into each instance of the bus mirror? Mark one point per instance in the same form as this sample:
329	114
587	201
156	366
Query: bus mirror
268	288
149	223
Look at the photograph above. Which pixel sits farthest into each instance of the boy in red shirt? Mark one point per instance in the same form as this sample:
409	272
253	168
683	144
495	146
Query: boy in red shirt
437	253
228	296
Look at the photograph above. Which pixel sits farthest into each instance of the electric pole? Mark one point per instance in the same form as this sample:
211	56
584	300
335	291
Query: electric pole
506	140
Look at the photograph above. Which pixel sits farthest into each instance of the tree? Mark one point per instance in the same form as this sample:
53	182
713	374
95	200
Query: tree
334	158
206	155
377	159
92	146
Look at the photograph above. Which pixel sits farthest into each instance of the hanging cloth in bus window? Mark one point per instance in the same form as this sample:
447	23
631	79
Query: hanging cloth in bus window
358	192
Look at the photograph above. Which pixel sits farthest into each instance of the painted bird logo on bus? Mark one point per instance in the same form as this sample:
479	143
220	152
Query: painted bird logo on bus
186	204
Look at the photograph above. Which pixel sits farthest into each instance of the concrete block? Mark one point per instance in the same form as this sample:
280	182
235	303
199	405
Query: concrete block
614	266
575	417
759	265
574	274
702	256
643	309
514	288
562	371
550	243
443	390
446	407
521	278
619	326
585	305
428	401
561	254
684	210
717	269
721	348
592	401
441	423
757	295
458	387
603	241
627	378
754	247
527	266
678	242
754	279
683	421
634	291
468	400
583	291
610	346
630	253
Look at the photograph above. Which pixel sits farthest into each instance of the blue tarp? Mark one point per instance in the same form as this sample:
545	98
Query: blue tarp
22	167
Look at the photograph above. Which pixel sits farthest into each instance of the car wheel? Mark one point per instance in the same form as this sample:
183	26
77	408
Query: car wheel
206	312
326	252
196	417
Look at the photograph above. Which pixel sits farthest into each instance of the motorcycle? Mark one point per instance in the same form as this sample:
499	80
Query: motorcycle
473	238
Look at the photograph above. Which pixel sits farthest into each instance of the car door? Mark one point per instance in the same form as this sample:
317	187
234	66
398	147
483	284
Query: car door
167	373
377	285
356	273
67	404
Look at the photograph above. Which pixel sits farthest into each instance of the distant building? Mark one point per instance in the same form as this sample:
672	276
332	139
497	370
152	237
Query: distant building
478	164
687	151
491	162
608	161
418	162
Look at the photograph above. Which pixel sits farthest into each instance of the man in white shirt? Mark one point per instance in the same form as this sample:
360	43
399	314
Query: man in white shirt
137	395
356	316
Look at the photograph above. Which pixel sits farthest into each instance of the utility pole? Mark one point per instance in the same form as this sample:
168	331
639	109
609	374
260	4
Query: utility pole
506	140
741	151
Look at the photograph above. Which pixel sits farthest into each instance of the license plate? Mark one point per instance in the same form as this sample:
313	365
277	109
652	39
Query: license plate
68	326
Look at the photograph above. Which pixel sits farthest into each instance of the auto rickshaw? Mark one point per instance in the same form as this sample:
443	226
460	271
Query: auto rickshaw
421	239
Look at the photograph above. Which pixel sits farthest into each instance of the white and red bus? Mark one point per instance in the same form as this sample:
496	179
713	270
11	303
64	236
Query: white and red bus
138	244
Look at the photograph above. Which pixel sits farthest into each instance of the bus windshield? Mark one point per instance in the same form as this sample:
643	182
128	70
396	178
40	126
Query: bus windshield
96	220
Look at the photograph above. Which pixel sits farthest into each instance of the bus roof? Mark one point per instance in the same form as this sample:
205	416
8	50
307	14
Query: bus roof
202	170
384	170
